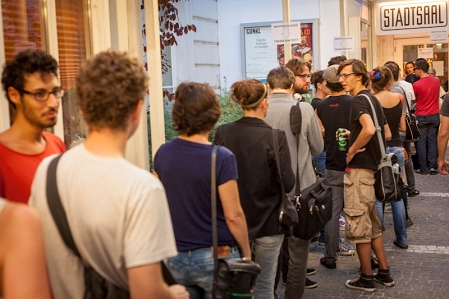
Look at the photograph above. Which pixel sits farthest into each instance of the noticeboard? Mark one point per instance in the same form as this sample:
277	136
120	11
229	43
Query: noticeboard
260	54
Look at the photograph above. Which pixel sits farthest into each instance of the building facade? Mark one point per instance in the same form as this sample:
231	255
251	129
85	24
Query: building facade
233	41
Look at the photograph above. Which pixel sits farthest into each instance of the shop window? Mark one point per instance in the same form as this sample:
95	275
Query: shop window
74	48
22	29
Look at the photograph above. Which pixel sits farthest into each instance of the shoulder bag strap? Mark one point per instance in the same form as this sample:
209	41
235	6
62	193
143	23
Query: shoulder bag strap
213	193
276	154
378	128
406	101
56	208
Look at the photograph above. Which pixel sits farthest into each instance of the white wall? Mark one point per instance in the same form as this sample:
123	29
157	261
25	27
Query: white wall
330	27
196	58
232	13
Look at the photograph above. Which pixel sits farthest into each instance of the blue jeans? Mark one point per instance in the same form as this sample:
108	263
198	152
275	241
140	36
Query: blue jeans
427	142
266	252
195	270
320	163
398	208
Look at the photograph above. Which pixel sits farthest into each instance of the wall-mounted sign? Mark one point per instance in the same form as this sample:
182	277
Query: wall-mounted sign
425	53
408	17
262	53
286	33
343	43
438	36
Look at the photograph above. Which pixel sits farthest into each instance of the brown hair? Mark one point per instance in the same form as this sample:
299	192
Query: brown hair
296	65
380	77
196	108
358	67
394	68
248	93
336	60
317	77
109	87
280	77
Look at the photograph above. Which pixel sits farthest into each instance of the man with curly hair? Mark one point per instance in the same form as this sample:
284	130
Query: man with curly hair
117	213
32	88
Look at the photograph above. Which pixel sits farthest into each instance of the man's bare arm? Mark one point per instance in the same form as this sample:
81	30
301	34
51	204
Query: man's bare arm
367	132
147	282
22	254
235	218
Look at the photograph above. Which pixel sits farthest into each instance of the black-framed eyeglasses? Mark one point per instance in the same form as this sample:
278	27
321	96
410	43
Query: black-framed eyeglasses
345	76
306	76
43	95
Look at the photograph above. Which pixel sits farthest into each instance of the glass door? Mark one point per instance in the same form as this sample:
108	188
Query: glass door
407	49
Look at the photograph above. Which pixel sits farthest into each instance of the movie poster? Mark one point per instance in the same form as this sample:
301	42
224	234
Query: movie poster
303	49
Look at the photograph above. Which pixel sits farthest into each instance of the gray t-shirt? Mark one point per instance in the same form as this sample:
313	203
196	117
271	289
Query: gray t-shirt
118	215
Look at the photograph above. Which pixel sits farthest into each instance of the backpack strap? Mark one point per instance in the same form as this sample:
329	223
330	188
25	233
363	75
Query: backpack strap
296	126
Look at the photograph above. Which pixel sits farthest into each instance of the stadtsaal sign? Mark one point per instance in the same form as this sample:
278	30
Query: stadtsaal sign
407	17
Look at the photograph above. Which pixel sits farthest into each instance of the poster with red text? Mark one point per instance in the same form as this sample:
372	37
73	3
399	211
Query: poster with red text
303	49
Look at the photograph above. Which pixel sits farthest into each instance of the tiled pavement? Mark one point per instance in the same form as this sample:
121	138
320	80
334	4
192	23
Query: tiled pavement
421	271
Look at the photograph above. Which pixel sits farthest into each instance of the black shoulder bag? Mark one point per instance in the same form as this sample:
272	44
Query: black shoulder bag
96	287
388	186
234	277
412	132
313	204
287	211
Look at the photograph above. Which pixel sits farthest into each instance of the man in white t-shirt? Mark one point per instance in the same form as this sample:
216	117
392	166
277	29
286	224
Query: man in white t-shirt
118	213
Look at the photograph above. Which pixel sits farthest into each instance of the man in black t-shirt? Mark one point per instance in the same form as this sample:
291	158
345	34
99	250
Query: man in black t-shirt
337	104
363	226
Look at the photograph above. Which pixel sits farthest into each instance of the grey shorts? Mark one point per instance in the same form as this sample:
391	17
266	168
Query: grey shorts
362	221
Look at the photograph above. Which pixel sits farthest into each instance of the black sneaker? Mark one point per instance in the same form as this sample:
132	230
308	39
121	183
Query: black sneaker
310	284
383	277
311	271
412	193
362	283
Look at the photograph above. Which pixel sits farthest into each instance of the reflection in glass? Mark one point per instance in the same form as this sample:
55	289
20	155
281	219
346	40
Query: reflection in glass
73	37
22	29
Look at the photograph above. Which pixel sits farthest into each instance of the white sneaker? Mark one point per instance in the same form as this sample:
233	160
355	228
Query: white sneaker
344	250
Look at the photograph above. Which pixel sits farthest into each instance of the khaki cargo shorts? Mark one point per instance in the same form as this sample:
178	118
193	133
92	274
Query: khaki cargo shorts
362	221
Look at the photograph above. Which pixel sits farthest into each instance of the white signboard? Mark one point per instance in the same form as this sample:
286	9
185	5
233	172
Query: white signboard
408	17
425	53
439	67
438	36
260	52
286	33
343	43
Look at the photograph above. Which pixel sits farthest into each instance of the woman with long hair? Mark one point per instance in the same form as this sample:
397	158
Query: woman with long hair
252	142
184	167
381	80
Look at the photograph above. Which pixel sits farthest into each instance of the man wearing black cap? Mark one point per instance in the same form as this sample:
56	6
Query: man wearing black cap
336	104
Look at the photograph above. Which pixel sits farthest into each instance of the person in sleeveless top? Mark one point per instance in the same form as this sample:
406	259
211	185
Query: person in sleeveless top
381	79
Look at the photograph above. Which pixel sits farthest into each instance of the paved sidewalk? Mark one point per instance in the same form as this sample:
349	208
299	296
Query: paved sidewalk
421	271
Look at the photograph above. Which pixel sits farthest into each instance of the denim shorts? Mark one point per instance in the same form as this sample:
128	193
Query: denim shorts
362	221
194	269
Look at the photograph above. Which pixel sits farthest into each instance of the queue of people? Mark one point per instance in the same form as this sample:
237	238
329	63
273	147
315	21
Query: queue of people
129	225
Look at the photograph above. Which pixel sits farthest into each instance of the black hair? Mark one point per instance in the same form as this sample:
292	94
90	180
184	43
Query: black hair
24	63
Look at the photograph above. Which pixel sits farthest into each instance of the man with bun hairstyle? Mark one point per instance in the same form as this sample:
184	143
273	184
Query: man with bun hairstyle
363	226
